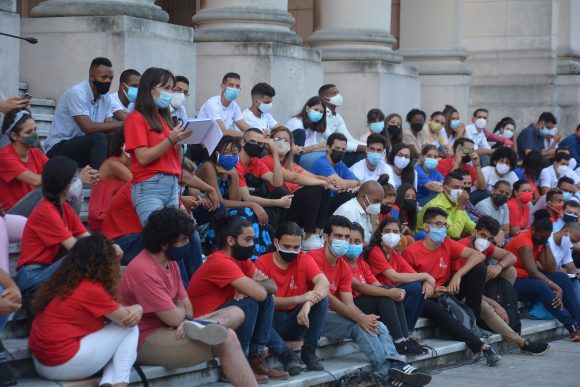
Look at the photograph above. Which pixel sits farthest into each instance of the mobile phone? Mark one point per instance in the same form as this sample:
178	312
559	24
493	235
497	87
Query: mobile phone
176	120
26	96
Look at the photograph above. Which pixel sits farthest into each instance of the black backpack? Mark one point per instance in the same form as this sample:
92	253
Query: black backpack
503	293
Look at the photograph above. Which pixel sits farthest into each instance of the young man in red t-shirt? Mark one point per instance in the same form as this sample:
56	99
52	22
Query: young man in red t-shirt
229	278
346	320
168	335
436	255
301	300
464	153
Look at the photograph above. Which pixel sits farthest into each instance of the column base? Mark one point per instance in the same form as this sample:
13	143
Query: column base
98	8
295	72
67	45
10	53
391	87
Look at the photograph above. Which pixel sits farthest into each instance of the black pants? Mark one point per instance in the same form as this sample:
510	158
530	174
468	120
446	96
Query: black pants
471	288
391	313
309	208
90	149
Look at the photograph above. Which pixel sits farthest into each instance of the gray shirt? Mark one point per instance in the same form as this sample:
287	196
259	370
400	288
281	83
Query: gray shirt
76	101
502	214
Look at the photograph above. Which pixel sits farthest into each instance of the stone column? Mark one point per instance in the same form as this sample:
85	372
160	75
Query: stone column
430	39
253	38
9	48
131	33
357	50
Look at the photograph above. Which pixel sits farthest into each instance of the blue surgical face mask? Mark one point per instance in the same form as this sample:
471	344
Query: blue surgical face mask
338	247
131	93
314	116
567	195
569	218
228	161
454	124
374	158
544	132
354	251
377	127
231	93
437	235
164	100
430	163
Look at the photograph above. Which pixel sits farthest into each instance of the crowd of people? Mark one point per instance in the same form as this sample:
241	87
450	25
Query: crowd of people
283	232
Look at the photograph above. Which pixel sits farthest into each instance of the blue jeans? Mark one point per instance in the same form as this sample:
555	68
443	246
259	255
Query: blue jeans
379	349
157	192
30	276
254	332
3	319
531	290
285	327
413	303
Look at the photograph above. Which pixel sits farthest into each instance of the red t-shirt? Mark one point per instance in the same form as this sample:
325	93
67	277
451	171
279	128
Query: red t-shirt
446	165
57	330
379	264
519	216
521	240
437	263
210	287
44	232
467	242
339	275
12	189
291	187
155	288
121	219
102	195
362	273
293	281
256	167
139	134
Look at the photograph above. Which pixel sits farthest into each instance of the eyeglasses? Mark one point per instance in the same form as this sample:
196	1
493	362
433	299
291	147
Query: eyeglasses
438	224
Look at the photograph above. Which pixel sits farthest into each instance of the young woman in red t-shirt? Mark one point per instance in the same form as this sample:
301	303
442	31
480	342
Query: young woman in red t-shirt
70	338
519	207
152	141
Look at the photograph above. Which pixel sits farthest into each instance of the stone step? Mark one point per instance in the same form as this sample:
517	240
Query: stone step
42	106
22	87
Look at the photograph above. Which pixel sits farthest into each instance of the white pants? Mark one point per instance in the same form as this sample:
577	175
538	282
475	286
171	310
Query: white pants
113	347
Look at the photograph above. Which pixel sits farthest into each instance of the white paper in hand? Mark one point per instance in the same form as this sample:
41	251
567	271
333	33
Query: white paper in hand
204	131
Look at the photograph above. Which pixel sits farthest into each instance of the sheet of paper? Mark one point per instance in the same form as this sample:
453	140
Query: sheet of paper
205	132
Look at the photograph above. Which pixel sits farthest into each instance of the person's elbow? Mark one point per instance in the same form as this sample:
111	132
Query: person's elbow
260	294
477	257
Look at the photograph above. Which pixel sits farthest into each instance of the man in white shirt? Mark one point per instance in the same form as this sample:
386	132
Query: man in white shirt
123	101
335	123
224	109
374	165
495	205
475	132
180	93
364	207
562	242
258	115
560	167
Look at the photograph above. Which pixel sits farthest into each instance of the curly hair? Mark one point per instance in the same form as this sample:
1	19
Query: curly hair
117	141
93	258
164	227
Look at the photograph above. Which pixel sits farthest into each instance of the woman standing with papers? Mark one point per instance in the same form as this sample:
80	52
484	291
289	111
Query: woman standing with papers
152	140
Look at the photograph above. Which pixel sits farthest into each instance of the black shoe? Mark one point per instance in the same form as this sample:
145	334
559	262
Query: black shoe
534	348
408	347
6	375
308	356
406	373
291	362
491	356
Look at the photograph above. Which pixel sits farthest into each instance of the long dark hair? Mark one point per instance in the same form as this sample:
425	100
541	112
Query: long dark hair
93	258
319	126
57	174
145	104
117	140
377	236
533	164
408	173
411	216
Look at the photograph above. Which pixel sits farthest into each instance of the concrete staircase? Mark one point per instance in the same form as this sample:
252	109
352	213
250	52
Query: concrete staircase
42	111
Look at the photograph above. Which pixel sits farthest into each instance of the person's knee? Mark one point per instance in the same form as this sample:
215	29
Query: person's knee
231	343
414	288
479	271
236	317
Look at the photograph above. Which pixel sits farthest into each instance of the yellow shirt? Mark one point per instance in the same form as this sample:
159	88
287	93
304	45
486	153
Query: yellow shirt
458	220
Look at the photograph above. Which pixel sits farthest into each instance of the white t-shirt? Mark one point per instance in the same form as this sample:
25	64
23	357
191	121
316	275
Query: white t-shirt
180	113
477	137
116	104
501	214
549	179
213	109
266	121
335	123
492	177
563	253
396	179
312	137
360	170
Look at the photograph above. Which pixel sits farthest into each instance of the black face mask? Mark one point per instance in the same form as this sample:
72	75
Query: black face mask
394	131
288	256
409	204
466	159
241	253
177	253
499	199
386	208
537	241
417	127
336	155
253	150
102	87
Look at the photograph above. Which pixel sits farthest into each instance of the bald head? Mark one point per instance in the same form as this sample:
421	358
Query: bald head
371	191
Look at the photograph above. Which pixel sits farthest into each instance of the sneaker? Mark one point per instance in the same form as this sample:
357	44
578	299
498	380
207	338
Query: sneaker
212	334
534	348
312	243
410	348
308	356
406	373
6	375
291	363
575	334
491	355
260	367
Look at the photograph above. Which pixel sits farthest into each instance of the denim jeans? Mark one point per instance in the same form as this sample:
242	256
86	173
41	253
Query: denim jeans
530	290
254	332
413	303
157	192
379	349
285	327
30	276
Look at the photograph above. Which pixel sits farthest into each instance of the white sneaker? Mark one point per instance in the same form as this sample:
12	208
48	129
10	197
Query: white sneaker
312	243
212	334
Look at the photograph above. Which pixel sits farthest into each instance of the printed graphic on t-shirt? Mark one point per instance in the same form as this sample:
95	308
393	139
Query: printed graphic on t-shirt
442	263
293	283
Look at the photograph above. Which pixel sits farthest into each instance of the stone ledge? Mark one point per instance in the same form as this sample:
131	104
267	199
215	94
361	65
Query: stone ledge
97	8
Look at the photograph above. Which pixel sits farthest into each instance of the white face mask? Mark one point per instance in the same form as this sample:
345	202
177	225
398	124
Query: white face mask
502	168
265	107
572	164
391	240
553	131
562	169
507	134
283	146
76	189
401	162
177	100
336	100
454	194
480	123
481	244
372	209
